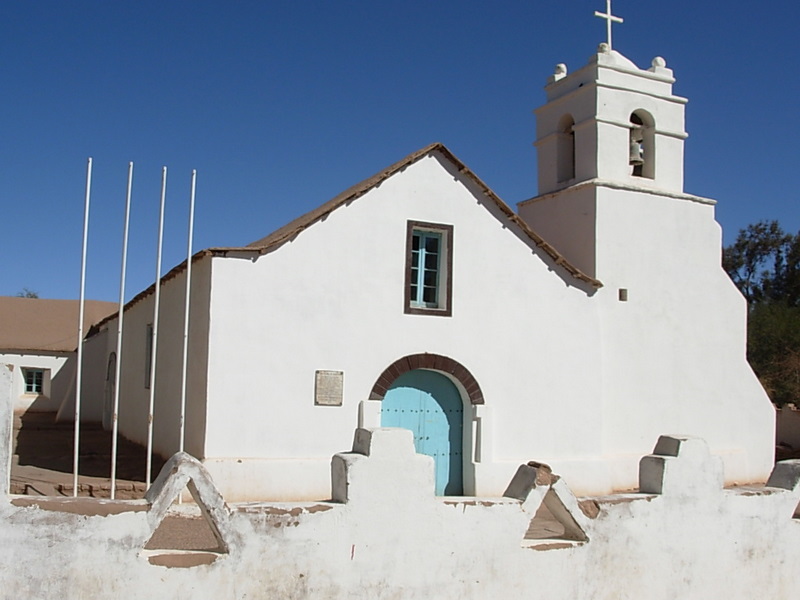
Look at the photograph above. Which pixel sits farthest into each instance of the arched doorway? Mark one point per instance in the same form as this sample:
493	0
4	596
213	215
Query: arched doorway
430	405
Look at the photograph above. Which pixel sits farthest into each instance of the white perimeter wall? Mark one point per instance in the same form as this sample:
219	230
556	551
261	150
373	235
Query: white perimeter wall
391	538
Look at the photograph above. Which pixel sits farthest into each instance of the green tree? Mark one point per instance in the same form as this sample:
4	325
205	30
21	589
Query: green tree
764	263
755	257
26	293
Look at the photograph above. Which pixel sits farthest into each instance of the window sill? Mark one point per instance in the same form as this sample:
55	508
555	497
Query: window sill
434	312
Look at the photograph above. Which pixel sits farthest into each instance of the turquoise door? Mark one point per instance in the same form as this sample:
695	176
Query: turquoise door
429	404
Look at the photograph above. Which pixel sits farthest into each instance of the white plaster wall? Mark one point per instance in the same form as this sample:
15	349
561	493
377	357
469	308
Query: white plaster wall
134	396
568	221
54	389
93	381
332	298
674	353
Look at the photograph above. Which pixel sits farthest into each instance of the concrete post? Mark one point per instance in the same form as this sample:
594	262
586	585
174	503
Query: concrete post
6	429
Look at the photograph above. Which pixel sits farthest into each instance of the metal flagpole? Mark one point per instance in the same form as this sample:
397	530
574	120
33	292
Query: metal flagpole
115	414
76	447
154	343
186	312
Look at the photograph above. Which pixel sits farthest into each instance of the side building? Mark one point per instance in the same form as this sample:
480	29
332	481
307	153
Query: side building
38	338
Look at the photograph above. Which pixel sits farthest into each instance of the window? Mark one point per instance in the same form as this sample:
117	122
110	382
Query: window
34	381
429	260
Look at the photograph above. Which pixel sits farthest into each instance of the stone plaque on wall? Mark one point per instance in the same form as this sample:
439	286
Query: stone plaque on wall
329	388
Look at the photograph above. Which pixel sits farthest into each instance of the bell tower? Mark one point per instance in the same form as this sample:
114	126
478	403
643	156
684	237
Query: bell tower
609	141
613	122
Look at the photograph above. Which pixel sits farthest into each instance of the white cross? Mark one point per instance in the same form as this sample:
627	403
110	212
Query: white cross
609	19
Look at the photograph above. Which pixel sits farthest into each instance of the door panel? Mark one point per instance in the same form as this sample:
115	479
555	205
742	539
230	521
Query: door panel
430	406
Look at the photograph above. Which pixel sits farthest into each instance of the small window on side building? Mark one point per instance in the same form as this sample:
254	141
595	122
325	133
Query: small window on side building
34	381
429	262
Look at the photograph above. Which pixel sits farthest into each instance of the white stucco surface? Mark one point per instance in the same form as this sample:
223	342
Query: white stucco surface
389	537
134	384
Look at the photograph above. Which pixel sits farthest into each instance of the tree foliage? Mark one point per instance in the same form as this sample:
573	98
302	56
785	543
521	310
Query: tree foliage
26	293
764	263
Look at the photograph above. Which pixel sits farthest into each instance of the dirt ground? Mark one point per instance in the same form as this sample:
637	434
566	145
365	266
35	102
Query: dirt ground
43	459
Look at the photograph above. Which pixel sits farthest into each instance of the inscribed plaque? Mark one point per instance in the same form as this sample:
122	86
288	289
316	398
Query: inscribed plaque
329	388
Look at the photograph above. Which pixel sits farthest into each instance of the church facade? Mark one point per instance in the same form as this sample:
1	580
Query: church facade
573	332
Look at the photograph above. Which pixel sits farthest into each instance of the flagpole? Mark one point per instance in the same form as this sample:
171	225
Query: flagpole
186	313
117	379
82	302
154	354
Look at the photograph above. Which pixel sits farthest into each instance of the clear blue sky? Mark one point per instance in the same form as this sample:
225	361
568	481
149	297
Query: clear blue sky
281	105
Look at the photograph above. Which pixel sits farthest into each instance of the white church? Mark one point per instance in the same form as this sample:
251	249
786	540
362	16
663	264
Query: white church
573	331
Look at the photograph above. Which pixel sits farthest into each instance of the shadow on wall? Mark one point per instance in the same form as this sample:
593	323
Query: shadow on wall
43	443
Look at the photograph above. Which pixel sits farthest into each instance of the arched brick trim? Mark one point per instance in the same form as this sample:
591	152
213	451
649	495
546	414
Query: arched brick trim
433	362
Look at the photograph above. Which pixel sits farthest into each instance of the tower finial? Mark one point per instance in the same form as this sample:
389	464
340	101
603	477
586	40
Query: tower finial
609	18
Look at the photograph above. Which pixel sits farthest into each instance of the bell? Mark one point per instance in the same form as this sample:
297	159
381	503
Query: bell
636	154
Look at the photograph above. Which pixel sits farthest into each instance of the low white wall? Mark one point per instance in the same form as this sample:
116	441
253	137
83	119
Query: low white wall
388	536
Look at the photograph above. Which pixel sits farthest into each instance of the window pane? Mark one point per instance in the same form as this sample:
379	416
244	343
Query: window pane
429	295
430	279
432	243
415	242
34	380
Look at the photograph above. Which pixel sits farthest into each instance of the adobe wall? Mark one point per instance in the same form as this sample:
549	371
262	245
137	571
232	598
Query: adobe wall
788	427
384	535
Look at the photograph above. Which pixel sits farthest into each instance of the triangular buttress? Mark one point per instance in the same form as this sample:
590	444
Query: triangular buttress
181	471
555	512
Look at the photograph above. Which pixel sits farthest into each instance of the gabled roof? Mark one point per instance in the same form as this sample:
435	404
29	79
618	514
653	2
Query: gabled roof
290	230
44	325
295	227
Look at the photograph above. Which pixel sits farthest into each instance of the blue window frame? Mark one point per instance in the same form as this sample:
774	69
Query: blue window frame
425	254
429	254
